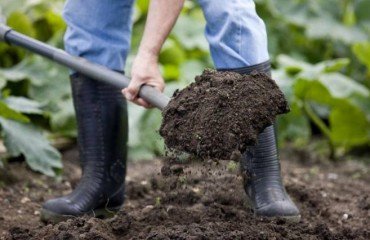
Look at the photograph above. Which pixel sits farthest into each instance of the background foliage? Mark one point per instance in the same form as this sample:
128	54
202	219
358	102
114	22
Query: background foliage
320	51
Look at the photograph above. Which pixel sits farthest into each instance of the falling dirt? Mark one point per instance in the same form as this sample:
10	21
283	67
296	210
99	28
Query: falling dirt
221	113
197	200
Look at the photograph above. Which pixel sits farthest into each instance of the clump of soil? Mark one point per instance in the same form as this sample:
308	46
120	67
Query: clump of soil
221	113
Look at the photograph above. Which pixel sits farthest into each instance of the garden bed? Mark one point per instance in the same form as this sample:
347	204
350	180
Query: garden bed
202	200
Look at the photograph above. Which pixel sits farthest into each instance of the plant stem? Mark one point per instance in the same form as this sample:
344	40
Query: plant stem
321	125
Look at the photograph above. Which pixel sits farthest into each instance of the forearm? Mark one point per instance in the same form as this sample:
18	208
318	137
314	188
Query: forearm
161	18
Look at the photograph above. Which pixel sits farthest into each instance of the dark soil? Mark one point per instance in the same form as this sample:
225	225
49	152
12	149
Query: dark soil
221	113
201	200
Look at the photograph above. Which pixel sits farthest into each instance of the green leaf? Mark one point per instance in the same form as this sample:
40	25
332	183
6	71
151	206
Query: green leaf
27	139
294	66
362	9
285	82
189	70
362	52
327	87
63	119
2	81
307	89
189	32
144	140
7	112
14	5
149	125
328	28
172	53
334	65
24	105
349	126
341	86
143	6
39	71
13	74
362	103
171	72
294	126
21	23
49	82
291	65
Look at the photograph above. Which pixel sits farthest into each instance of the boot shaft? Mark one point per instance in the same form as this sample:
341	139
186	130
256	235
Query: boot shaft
102	123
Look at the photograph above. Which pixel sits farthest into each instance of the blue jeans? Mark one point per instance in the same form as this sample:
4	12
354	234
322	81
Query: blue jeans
100	31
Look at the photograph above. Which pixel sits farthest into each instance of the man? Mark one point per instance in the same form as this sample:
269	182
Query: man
100	31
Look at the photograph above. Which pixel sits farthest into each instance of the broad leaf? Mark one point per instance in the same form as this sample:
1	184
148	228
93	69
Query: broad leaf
24	105
63	119
285	83
21	23
362	103
307	89
144	140
172	53
189	32
349	126
341	86
149	137
9	113
362	51
27	139
292	66
10	6
189	70
2	81
294	126
334	65
326	27
362	10
13	74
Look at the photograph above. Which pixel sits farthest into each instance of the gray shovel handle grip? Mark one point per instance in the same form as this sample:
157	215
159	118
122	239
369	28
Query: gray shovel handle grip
81	65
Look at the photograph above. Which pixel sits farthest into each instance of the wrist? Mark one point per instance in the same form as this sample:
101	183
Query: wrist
148	55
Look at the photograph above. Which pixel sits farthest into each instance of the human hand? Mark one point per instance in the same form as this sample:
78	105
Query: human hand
145	70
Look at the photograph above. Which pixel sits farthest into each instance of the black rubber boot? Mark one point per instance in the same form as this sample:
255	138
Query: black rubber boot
260	168
102	135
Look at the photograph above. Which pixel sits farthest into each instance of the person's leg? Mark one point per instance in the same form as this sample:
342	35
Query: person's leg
99	31
236	35
238	42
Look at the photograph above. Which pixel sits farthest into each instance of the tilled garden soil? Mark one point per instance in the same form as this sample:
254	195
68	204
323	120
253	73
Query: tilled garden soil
221	113
197	201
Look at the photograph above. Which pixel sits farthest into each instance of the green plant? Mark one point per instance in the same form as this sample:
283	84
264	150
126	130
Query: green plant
33	90
22	137
320	92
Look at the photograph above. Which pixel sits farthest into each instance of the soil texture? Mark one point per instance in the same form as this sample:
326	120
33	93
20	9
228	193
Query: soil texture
197	200
221	113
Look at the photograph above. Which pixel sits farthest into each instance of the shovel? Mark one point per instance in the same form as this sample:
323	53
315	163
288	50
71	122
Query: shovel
81	65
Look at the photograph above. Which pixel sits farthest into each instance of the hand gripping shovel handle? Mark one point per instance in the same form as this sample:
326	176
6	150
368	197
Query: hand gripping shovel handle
81	65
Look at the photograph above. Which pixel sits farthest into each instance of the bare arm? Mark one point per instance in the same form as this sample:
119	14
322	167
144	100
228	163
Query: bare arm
161	18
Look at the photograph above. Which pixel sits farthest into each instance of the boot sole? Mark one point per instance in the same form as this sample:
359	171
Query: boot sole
288	219
52	217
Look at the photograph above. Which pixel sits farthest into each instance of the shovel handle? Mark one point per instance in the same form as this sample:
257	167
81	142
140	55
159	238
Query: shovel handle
81	65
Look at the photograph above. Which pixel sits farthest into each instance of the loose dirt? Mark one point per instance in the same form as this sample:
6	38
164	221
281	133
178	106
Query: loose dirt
198	200
221	113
